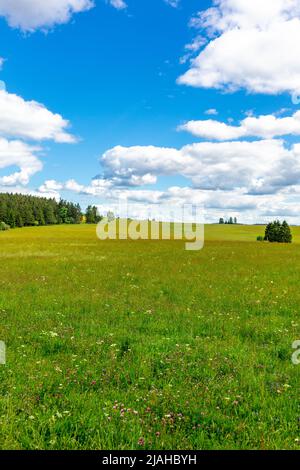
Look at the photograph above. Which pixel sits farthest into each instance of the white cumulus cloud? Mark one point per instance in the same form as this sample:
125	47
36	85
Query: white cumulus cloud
266	127
18	154
98	187
253	45
50	186
118	4
24	121
30	15
259	167
31	120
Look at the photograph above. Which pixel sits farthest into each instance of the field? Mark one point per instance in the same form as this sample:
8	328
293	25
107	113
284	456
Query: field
143	345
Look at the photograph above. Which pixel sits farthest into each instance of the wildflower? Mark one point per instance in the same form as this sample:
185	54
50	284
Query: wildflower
141	442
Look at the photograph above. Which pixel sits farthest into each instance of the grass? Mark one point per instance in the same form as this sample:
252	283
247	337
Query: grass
143	345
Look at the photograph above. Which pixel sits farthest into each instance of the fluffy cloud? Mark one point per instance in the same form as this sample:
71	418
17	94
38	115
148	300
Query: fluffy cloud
168	204
192	47
259	167
211	112
98	187
270	64
126	165
118	4
50	186
265	127
21	155
31	120
23	190
30	15
26	120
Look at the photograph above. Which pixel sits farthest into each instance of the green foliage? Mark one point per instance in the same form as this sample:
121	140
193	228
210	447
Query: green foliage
18	210
92	215
63	214
277	232
260	238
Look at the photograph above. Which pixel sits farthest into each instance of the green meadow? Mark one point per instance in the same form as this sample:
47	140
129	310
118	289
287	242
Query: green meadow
143	345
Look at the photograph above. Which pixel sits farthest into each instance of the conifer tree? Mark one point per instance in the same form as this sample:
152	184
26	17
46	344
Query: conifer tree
277	232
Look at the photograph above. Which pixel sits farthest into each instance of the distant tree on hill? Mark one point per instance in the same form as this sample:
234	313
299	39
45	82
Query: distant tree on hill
277	232
92	216
68	213
230	221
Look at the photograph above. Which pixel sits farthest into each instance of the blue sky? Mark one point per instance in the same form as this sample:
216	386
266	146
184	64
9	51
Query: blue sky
113	73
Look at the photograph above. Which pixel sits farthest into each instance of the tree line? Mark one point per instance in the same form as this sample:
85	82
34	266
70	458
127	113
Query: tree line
230	221
19	210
